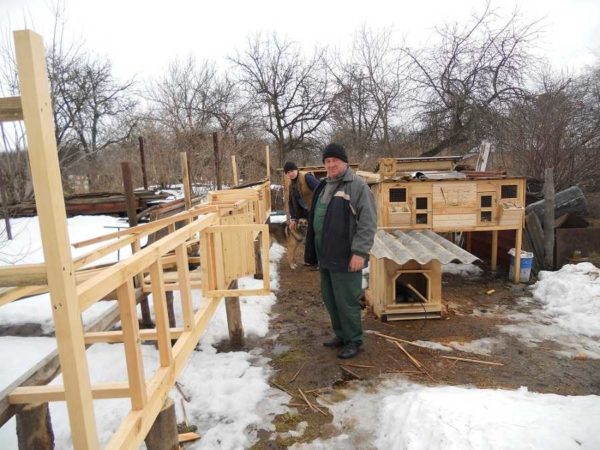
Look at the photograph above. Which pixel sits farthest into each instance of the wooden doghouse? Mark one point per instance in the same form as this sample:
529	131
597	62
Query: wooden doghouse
406	273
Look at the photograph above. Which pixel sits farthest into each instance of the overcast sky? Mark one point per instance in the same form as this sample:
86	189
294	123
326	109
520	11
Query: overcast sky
141	37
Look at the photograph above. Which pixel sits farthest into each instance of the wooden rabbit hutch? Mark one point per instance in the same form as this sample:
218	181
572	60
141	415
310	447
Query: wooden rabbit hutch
444	200
429	195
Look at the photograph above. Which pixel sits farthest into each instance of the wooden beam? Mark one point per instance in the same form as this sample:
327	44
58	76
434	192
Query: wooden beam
23	275
268	162
46	369
10	109
136	425
90	290
234	319
45	172
234	169
164	334
151	227
131	342
494	259
113	337
56	393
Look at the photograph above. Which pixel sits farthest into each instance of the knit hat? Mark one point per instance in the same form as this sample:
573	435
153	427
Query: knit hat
335	151
289	166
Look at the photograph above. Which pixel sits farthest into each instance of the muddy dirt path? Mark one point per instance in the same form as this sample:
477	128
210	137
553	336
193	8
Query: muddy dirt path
300	324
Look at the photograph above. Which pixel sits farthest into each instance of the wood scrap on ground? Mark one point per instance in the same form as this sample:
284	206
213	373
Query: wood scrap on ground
310	405
350	372
297	373
187	437
478	361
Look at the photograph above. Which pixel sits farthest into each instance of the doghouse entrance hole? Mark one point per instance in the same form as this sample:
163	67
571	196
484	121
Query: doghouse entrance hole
403	291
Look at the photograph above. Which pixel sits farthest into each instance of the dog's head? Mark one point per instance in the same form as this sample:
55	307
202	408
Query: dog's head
302	224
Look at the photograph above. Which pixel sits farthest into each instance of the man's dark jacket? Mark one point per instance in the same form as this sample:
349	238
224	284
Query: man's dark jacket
349	226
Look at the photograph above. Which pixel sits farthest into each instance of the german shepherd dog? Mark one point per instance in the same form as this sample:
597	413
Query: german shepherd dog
294	239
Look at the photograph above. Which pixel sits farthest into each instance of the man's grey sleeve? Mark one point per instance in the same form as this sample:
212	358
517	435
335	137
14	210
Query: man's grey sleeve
366	222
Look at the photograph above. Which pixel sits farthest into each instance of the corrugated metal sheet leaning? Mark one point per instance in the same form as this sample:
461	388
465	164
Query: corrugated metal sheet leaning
422	246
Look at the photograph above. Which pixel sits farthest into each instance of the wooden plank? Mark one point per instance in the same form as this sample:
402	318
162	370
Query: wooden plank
147	228
135	426
457	221
43	160
163	331
113	337
131	342
234	170
268	162
185	291
23	275
46	369
90	290
56	393
10	109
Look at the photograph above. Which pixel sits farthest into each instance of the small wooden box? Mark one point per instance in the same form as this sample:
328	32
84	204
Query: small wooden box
510	214
399	216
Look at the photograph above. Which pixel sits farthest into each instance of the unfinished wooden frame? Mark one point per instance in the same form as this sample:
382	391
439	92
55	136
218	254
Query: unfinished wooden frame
225	229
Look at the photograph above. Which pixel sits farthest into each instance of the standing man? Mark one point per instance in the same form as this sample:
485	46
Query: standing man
341	229
301	190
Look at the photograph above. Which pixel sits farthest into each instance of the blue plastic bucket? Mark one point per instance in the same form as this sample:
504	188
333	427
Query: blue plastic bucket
526	263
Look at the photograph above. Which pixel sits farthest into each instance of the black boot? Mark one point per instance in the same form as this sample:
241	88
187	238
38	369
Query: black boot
350	350
334	342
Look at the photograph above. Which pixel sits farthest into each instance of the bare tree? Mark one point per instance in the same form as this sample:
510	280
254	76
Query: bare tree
293	94
558	127
372	84
475	69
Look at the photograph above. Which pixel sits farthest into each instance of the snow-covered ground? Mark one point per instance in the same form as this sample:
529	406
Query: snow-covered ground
230	395
231	398
397	414
565	310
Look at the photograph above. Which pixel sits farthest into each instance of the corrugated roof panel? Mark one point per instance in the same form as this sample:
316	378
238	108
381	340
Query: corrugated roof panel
422	246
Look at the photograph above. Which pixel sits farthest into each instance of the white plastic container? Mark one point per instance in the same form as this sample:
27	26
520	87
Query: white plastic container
526	263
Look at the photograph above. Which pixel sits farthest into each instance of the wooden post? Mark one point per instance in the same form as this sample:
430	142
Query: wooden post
45	173
131	342
135	246
258	275
5	208
163	433
234	168
549	219
217	159
268	161
187	190
518	245
170	310
494	259
143	162
34	428
234	319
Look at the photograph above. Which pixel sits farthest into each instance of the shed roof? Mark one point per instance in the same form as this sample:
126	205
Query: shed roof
422	246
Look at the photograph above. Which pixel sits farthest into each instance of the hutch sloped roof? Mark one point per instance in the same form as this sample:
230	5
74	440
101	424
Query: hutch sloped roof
422	246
